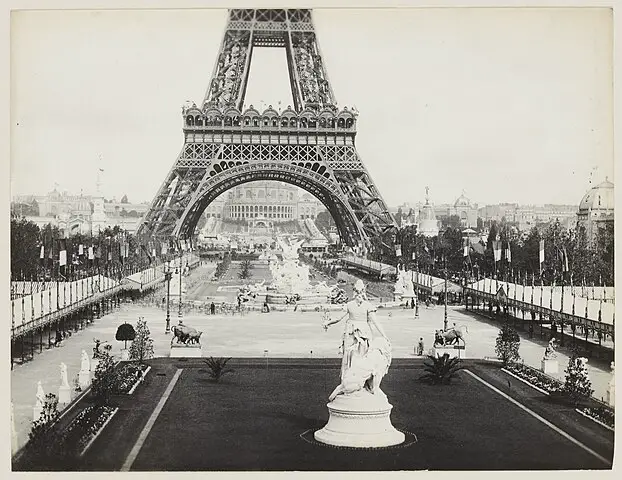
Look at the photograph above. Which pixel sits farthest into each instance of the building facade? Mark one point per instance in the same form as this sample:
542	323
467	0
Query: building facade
596	209
274	202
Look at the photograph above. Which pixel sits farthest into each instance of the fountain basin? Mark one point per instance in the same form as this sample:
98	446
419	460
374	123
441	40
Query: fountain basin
305	299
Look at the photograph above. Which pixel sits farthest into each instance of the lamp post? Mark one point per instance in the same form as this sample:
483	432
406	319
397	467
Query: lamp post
180	313
167	277
445	317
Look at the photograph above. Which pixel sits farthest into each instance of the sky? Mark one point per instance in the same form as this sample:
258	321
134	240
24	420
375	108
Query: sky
507	105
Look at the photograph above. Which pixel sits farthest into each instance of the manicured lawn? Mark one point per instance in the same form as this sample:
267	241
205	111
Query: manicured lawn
256	419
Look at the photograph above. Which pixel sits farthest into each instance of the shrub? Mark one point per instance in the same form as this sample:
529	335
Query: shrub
141	348
44	441
577	385
104	380
507	344
440	369
218	367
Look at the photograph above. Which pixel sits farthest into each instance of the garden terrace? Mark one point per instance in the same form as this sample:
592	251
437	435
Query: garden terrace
263	415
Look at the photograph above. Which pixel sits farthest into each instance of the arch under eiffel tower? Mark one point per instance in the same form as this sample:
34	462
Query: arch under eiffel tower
310	145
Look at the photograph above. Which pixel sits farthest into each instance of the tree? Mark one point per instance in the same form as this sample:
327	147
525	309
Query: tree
104	379
324	221
440	369
577	385
141	348
507	344
25	248
124	333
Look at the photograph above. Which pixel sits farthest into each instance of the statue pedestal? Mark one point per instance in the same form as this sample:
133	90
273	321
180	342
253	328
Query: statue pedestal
360	420
550	366
64	395
457	351
186	351
84	379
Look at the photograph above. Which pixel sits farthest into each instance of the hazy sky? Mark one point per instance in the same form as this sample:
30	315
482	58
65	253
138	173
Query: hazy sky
509	105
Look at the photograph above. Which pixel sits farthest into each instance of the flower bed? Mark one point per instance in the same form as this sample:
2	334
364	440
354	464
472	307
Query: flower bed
86	426
603	415
128	376
535	377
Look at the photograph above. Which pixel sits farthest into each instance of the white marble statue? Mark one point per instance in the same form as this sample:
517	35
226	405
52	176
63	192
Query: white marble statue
40	394
289	249
85	364
550	352
63	375
366	348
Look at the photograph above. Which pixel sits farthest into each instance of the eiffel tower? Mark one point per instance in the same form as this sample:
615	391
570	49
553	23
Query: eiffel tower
310	145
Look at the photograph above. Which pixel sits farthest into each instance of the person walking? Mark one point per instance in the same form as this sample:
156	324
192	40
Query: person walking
420	347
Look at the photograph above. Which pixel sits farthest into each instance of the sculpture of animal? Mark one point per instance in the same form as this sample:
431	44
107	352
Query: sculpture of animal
194	338
182	333
450	337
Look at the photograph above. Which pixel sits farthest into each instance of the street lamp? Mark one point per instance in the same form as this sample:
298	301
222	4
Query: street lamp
445	318
180	314
167	277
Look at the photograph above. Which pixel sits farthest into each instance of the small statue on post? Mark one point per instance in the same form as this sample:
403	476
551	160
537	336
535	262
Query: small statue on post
549	363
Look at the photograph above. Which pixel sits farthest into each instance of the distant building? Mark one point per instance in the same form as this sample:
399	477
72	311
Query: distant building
84	214
596	209
463	209
269	201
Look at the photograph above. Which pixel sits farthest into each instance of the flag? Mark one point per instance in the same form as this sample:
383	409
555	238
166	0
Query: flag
541	252
496	246
62	253
51	256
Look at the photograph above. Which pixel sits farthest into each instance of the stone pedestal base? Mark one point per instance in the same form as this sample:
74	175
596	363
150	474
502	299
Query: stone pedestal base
457	351
360	420
186	351
84	379
550	366
64	394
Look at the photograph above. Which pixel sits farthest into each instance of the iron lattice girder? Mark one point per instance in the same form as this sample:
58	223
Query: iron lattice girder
291	29
311	145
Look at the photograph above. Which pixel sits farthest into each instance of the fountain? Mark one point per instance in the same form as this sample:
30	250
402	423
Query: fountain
291	284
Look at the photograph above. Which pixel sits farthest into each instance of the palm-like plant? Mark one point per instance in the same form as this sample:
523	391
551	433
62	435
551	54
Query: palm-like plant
218	367
440	369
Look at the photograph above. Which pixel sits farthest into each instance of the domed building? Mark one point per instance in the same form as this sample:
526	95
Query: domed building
465	211
596	209
427	224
